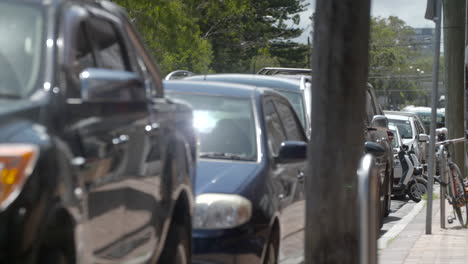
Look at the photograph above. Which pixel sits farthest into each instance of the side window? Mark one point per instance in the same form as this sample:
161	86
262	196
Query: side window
274	129
108	44
419	127
291	125
83	57
147	67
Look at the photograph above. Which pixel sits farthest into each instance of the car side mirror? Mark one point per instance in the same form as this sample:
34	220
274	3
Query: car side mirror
423	138
379	121
103	85
374	148
292	151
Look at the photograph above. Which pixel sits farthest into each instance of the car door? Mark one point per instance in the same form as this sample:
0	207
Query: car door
106	132
151	189
292	217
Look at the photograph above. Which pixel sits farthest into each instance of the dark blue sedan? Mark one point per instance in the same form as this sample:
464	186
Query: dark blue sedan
250	177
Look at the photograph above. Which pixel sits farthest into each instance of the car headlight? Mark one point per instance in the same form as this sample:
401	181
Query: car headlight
17	162
219	211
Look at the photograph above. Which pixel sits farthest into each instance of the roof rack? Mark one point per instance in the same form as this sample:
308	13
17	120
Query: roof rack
179	74
282	70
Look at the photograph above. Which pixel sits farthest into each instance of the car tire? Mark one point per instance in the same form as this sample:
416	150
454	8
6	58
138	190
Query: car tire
271	256
177	248
414	189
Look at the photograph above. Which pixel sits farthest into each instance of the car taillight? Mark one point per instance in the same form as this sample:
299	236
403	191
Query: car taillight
17	162
390	135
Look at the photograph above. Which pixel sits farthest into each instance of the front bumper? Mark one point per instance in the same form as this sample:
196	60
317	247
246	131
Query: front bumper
240	245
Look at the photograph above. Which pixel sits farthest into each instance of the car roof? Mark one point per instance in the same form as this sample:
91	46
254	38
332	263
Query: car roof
214	88
254	80
398	113
282	70
397	117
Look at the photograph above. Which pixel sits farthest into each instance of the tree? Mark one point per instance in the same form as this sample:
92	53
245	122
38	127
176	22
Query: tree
394	62
239	30
172	34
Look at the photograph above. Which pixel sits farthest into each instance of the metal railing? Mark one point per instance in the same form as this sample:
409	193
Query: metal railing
368	203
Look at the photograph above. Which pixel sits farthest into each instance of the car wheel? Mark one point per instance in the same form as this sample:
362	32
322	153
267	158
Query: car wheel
417	189
177	248
272	254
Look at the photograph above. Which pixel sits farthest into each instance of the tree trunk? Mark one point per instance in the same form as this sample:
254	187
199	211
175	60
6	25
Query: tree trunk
340	67
454	51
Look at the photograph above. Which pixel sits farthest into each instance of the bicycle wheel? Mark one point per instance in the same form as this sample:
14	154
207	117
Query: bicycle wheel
459	199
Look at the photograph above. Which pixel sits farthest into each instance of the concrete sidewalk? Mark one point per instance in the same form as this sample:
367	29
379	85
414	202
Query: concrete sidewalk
413	246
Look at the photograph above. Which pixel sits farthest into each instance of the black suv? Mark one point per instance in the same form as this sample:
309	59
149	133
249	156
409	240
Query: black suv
96	166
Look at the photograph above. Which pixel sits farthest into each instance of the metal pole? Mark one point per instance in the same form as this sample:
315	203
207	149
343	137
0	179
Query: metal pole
435	83
368	219
442	164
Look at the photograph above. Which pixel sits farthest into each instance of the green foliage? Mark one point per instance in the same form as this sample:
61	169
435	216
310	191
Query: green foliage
396	68
172	34
239	29
224	36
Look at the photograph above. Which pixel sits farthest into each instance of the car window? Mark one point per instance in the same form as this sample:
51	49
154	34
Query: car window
274	129
108	43
291	126
225	125
297	101
395	141
420	127
147	67
82	57
404	127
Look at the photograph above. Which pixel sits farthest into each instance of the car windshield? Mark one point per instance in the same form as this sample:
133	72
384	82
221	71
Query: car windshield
21	31
404	127
225	126
297	102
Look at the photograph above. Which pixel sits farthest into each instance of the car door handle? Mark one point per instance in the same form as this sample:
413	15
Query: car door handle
300	175
122	139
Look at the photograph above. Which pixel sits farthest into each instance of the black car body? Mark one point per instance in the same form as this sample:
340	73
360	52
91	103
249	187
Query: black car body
97	164
297	91
377	131
252	158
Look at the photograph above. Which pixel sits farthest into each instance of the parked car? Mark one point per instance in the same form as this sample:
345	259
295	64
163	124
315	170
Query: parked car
97	166
298	93
411	130
250	175
377	131
424	113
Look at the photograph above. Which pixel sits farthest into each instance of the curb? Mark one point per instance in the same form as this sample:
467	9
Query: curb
395	230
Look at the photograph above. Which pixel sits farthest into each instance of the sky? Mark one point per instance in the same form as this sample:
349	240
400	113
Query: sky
410	11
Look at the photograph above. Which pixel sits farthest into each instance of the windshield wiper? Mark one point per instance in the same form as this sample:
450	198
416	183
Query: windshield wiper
9	96
222	155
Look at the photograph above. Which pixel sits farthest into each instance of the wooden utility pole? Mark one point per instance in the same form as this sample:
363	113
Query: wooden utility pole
340	65
454	53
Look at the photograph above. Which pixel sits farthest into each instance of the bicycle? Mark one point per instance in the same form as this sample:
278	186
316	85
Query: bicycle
457	188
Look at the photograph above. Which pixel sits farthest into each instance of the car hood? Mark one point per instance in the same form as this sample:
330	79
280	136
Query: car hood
222	176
